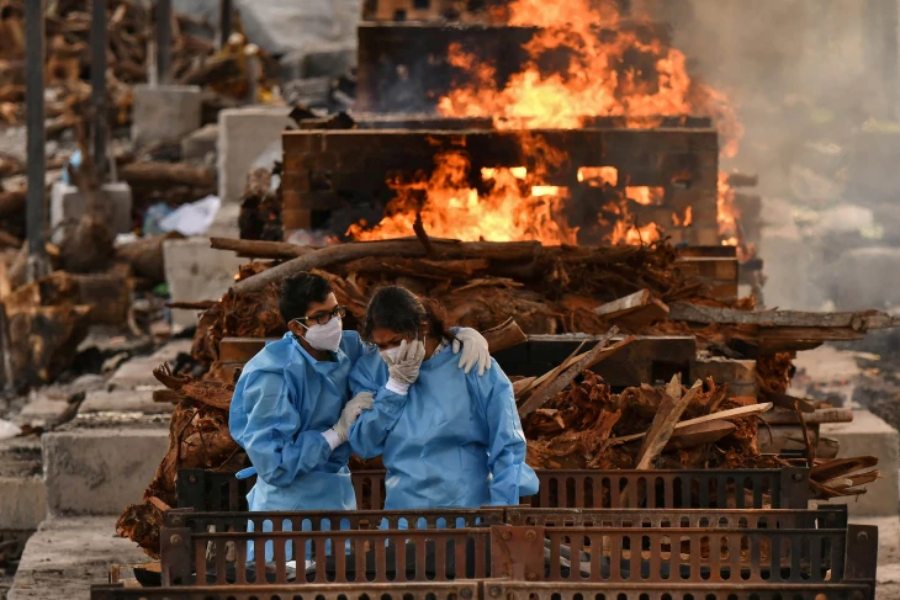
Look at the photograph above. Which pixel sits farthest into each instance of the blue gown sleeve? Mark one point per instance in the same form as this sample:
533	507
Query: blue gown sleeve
369	432
511	476
270	431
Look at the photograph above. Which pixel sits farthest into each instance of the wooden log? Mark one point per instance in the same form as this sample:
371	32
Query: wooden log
340	253
260	249
790	440
817	417
11	203
146	256
731	413
503	336
419	268
790	402
664	422
633	311
698	435
167	174
552	387
854	321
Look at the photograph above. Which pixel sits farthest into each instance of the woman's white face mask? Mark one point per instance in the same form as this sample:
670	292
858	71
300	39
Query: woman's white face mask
392	354
327	337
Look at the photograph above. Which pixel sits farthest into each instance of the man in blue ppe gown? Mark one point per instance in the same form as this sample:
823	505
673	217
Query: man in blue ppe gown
447	439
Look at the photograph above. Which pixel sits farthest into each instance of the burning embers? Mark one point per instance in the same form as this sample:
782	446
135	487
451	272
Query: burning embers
573	61
511	206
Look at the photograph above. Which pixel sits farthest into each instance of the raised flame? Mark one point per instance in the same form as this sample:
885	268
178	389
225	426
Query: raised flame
584	61
511	208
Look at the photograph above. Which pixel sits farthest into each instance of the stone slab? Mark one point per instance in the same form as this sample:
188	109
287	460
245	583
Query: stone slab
195	272
245	134
68	205
66	555
868	435
23	502
23	497
200	144
137	373
280	27
100	471
165	113
133	400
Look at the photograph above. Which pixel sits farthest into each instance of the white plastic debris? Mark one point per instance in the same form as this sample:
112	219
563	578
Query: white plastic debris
8	430
192	219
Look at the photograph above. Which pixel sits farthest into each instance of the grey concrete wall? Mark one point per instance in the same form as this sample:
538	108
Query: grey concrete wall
100	471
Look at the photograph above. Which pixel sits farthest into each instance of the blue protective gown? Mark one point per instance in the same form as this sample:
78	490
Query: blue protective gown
454	441
282	403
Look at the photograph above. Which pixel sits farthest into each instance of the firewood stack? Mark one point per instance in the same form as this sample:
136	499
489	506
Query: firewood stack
572	417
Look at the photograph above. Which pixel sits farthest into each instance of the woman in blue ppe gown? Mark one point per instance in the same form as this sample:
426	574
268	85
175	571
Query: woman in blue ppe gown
447	438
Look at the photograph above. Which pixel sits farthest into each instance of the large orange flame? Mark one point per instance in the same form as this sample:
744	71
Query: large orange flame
513	208
602	66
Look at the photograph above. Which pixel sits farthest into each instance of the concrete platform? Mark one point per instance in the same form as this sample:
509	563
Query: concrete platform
136	400
868	435
65	556
244	134
99	471
165	113
195	272
23	497
137	373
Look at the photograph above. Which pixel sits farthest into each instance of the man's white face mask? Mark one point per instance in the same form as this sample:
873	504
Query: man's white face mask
325	337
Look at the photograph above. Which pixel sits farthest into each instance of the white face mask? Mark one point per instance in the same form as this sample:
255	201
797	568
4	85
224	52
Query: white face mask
391	354
325	337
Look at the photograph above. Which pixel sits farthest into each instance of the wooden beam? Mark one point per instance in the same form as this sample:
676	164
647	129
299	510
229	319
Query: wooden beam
855	321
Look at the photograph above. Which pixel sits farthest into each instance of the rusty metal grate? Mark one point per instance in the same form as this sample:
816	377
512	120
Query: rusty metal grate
494	590
826	517
456	590
701	556
504	590
750	488
371	556
327	520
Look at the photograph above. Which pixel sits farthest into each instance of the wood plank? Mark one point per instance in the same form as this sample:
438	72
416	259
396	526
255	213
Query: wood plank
820	416
778	319
552	387
731	413
702	433
670	410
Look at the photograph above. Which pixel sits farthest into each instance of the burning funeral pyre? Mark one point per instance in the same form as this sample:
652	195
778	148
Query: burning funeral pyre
569	186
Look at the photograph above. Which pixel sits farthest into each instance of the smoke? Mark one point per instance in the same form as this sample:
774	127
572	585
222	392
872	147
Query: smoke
815	84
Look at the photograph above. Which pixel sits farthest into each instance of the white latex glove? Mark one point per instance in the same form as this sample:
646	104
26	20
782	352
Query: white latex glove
403	366
474	350
363	400
350	413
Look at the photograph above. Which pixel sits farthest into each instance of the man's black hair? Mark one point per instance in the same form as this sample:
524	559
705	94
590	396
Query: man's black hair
298	292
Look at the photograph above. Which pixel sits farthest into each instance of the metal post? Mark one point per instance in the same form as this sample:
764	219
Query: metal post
99	43
34	117
163	40
226	10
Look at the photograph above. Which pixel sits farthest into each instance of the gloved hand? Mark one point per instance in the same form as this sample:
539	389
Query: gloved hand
364	400
474	350
351	412
403	365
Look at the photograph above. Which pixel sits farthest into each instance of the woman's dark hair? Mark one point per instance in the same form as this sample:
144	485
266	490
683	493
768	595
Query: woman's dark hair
298	292
398	309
